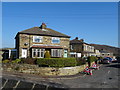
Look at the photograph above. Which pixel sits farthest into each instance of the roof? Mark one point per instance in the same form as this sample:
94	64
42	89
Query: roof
76	41
43	32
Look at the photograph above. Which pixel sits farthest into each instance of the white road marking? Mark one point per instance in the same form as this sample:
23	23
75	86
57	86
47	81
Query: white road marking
16	85
108	71
4	84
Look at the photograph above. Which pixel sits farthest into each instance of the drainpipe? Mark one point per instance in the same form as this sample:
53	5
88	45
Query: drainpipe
9	53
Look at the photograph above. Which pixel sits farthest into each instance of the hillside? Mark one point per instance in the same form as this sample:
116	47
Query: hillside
115	50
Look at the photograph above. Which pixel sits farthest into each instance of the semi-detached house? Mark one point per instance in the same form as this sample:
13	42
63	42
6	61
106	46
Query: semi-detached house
36	41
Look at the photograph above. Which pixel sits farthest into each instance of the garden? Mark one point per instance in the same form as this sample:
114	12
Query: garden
48	66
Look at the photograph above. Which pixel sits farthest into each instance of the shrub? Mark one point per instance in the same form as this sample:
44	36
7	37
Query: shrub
80	61
91	59
47	54
57	62
29	60
16	61
6	61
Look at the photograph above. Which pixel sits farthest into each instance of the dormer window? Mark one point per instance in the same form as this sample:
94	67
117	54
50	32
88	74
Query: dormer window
55	40
37	39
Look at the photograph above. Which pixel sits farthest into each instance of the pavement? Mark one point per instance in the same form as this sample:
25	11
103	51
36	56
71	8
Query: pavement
106	77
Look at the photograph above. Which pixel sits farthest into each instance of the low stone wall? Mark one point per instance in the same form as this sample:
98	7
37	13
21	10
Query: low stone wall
35	69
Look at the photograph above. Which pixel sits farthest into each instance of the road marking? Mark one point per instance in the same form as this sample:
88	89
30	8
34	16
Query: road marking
16	84
108	71
33	86
4	84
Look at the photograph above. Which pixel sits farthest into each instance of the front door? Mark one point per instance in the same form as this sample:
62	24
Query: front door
24	53
65	53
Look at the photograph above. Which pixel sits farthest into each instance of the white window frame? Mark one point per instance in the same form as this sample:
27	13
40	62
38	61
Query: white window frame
56	52
39	37
55	38
36	50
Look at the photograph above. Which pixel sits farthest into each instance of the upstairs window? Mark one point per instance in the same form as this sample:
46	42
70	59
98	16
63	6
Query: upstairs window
37	39
55	40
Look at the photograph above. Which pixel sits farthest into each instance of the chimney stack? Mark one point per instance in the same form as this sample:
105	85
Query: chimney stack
43	26
76	38
82	40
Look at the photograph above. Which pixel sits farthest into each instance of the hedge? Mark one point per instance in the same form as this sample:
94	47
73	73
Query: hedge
80	61
91	59
57	62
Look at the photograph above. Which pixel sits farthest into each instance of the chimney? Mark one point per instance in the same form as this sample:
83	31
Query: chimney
76	38
82	40
43	26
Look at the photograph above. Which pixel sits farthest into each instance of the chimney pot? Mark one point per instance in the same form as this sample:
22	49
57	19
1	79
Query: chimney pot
76	38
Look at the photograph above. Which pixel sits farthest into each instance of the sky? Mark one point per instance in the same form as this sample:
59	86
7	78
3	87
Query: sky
95	22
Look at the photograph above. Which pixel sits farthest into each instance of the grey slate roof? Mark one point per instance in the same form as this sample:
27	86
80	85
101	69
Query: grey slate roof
45	32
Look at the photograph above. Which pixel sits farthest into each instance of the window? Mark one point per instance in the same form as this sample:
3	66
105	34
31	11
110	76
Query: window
56	52
38	53
37	39
55	40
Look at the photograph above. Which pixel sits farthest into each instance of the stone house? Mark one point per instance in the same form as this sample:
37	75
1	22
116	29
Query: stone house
106	53
36	41
80	47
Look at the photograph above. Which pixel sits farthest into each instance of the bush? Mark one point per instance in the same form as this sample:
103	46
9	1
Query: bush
80	61
16	61
57	62
29	60
6	61
47	54
91	59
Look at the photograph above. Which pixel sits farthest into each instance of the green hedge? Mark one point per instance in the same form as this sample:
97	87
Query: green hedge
80	61
57	62
91	59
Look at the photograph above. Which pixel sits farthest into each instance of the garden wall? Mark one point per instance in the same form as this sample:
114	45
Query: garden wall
35	69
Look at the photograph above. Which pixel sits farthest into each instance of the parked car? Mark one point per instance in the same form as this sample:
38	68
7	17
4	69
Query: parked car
106	61
109	58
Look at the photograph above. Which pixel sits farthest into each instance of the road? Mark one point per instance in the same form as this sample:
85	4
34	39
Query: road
107	77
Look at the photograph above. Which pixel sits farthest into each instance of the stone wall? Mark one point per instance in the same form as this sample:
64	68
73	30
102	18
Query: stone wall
34	69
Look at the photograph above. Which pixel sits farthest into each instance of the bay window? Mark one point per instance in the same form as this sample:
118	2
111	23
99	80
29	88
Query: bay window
38	53
56	52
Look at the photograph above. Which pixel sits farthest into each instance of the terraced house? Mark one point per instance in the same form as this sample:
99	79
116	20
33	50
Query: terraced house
78	47
36	41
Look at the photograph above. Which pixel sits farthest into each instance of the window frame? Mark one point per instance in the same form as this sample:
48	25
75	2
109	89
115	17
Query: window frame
56	52
37	37
36	51
55	38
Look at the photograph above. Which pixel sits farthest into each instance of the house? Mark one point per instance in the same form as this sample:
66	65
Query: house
37	41
97	53
78	47
106	53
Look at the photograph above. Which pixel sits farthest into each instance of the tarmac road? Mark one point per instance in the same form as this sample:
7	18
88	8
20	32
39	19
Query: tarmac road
107	77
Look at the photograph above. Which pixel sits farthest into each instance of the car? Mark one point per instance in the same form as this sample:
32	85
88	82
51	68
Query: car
109	58
106	61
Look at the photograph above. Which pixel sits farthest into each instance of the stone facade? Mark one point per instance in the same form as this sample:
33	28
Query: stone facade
25	41
79	46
